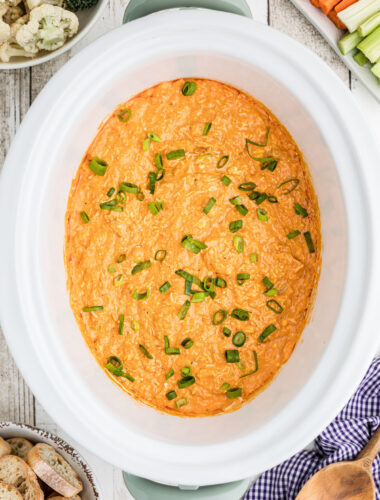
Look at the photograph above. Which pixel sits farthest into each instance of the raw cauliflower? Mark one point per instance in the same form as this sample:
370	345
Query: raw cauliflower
5	30
48	28
16	26
8	50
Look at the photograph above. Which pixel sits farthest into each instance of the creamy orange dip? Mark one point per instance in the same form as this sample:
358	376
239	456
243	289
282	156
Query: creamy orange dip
164	346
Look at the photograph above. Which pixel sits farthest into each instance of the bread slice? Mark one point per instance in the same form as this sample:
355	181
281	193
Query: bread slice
53	470
9	492
14	471
20	447
5	448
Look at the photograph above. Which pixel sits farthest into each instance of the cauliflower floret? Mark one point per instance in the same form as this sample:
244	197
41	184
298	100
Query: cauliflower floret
48	28
13	13
8	50
16	26
5	30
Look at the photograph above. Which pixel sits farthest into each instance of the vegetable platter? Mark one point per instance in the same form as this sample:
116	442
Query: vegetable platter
333	35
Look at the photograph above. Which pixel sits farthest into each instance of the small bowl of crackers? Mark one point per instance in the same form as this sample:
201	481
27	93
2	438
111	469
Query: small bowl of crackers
37	465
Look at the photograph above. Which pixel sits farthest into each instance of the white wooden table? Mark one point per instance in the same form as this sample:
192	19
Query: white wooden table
18	89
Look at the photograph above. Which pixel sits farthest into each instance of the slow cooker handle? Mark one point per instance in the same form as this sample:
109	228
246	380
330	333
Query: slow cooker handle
140	8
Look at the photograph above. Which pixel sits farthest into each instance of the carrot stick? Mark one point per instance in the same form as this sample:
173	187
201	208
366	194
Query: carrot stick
333	16
315	3
343	5
327	5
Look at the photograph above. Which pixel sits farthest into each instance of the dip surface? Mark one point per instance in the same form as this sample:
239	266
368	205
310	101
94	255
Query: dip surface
276	249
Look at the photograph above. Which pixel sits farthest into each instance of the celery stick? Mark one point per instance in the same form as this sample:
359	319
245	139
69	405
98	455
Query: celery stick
349	42
361	59
354	15
368	26
376	69
370	46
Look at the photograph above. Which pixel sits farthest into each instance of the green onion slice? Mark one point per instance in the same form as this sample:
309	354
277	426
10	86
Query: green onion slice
160	255
121	197
209	284
118	280
145	351
121	258
146	144
238	204
219	317
171	395
111	191
124	115
181	402
85	218
186	370
256	366
220	282
187	343
239	339
199	296
293	184
232	356
141	266
183	310
176	154
267	282
115	366
186	382
211	202
155	206
272	199
188	290
140	296
233	393
300	210
226	332
194	246
309	242
247	186
235	225
128	187
275	306
238	244
189	88
262	214
204	156
93	308
266	332
242	277
140	196
154	137
111	205
207	128
224	386
248	141
165	287
152	177
226	180
293	234
240	314
222	162
135	325
98	166
189	277
169	374
259	197
161	175
111	269
254	257
268	163
158	161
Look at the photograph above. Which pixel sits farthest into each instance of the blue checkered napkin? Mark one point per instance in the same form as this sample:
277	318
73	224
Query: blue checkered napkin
343	439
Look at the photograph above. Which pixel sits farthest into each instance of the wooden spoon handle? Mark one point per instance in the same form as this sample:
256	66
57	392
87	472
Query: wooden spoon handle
372	449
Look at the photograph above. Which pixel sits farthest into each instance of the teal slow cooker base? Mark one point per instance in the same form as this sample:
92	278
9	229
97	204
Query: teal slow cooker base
140	488
143	489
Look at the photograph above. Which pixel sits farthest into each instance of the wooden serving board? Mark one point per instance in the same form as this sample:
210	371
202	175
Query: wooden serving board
332	35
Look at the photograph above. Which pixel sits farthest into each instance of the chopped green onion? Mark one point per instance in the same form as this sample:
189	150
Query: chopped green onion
262	214
226	180
186	370
135	325
111	191
256	366
236	392
145	351
271	292
189	88
199	296
293	234
158	161
118	280
115	366
189	277
300	210
275	306
160	255
248	141
207	128
219	317
309	241
235	225
222	162
240	314
247	186
165	287
232	355
154	137
183	310
267	282
194	246
146	144
266	332
93	308
239	339
141	266
181	402
187	343
111	269
209	284
241	277
128	187
152	177
241	365
226	332
111	205
140	196
211	202
294	183
176	154
272	199
124	114
169	374
98	166
188	285
238	244
224	386
156	206
204	156
220	282
237	202
171	395
254	257
186	382
121	258
161	175
268	163
258	197
140	296
121	197
85	218
172	351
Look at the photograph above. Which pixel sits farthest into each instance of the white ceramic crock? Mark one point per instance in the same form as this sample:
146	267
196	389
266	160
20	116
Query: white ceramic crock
337	345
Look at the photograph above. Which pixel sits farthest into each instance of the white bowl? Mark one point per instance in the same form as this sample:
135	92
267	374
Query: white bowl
338	344
87	19
91	488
